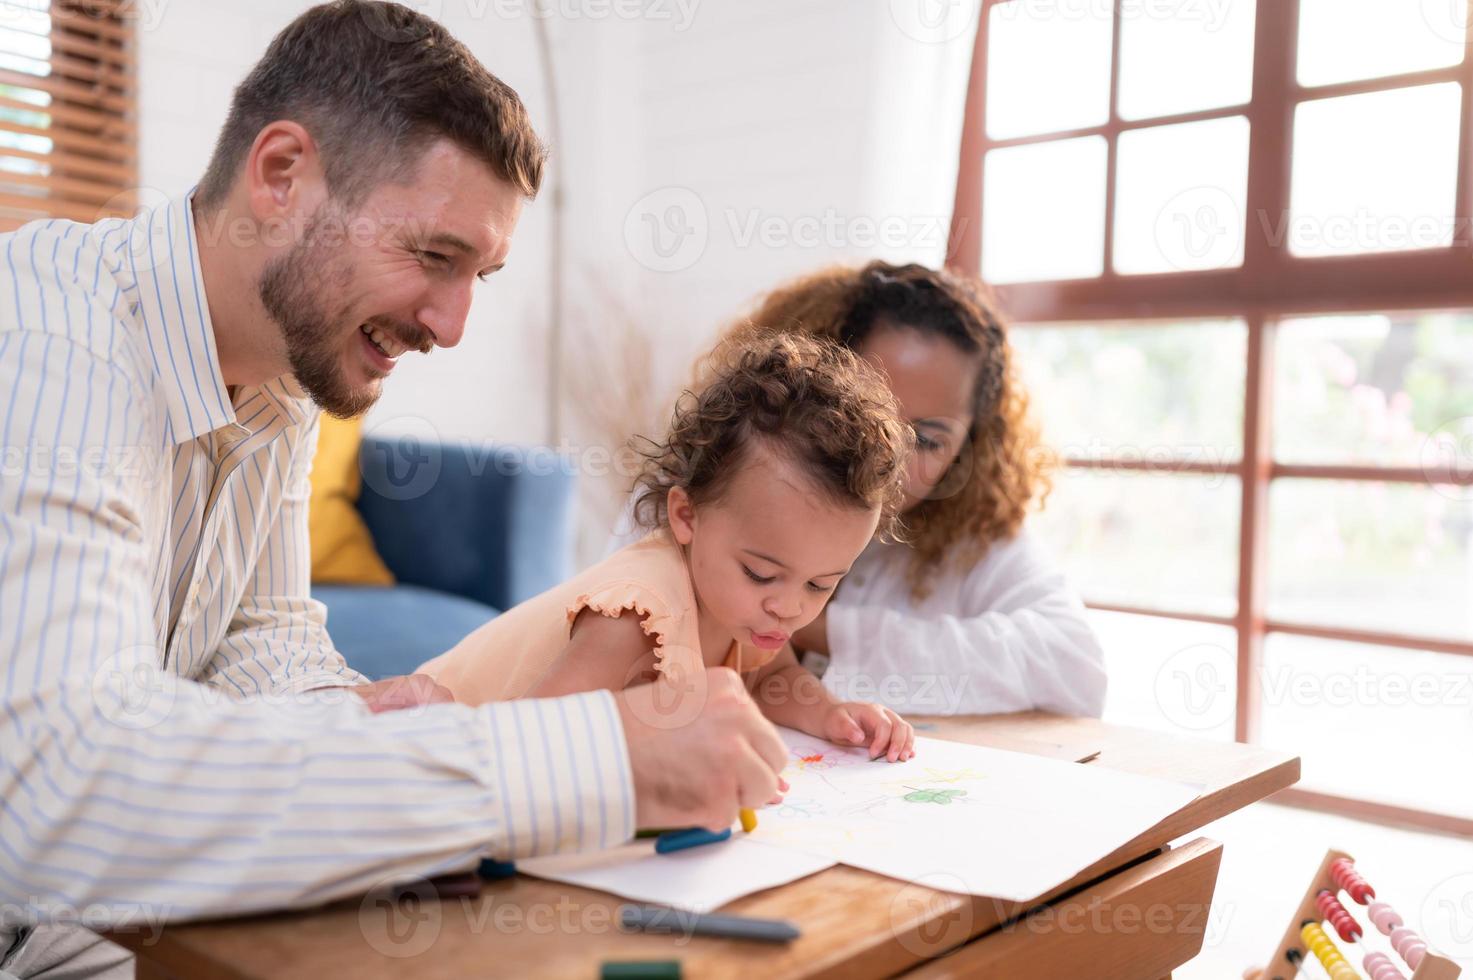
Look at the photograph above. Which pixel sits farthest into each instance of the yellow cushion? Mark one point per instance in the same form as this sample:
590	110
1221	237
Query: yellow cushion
342	549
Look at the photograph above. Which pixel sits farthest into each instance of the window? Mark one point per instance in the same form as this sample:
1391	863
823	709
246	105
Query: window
1234	242
67	95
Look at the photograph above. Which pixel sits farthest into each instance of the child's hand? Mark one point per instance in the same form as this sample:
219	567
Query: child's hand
857	722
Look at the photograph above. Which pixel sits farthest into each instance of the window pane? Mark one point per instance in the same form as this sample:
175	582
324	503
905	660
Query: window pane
1184	56
1048	67
1373	722
1375	172
1160	391
1169	674
1147	539
1340	40
1394	557
1372	388
1043	211
1180	196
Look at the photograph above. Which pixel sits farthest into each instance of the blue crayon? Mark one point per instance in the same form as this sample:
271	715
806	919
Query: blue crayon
679	840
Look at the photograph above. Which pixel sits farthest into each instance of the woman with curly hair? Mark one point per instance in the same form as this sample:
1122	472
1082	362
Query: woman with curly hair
770	483
969	614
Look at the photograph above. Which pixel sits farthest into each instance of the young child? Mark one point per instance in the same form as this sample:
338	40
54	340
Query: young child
769	485
970	611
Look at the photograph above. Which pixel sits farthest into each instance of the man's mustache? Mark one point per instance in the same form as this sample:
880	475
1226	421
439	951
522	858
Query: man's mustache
409	335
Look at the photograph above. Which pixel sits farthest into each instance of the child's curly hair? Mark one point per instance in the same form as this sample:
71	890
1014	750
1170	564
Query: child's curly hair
814	401
1001	471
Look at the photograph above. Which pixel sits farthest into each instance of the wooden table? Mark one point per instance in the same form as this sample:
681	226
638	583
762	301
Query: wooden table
1139	913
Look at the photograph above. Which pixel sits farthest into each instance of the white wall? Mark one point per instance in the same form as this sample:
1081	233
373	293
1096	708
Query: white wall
192	53
781	134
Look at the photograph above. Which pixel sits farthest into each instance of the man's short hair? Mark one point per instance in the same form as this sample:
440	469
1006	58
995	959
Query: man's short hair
374	84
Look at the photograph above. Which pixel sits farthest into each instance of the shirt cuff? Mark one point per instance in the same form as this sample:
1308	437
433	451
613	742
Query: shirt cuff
559	774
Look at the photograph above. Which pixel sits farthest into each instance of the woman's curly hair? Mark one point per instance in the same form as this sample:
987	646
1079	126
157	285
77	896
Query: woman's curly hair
813	401
1000	470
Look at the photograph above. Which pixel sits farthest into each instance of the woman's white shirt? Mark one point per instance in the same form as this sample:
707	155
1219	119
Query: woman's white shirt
1007	634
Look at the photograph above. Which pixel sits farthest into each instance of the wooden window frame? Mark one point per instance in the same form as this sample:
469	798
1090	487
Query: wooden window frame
1271	284
91	168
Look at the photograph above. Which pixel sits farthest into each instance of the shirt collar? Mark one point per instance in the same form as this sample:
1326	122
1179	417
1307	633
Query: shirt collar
163	257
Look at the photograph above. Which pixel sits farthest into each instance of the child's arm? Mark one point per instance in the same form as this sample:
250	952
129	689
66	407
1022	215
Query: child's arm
603	653
790	695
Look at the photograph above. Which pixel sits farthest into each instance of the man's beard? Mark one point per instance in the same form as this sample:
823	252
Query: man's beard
293	288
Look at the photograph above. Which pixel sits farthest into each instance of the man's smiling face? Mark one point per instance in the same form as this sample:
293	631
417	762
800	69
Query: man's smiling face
395	275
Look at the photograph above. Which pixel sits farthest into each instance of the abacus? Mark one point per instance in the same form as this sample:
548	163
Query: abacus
1321	913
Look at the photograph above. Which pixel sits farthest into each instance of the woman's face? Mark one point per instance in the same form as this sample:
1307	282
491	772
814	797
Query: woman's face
933	379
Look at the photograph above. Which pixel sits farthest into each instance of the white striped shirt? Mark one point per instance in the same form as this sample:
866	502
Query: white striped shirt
157	639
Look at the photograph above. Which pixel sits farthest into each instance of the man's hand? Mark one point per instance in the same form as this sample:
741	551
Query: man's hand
721	756
397	693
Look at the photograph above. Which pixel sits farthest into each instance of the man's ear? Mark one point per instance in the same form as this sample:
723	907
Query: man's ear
682	515
283	173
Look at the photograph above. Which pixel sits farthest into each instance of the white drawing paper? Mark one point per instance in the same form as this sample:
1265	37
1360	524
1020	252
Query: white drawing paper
961	817
697	879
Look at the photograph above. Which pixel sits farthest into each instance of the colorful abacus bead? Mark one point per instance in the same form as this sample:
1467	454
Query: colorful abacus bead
1325	950
1384	917
1410	946
1333	912
1379	967
1342	870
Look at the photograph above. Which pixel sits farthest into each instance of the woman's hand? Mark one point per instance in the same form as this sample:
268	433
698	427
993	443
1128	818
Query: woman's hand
858	722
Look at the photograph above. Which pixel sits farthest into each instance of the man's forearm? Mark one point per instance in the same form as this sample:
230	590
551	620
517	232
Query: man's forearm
195	804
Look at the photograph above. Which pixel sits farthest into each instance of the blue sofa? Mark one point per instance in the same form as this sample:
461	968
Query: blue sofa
467	530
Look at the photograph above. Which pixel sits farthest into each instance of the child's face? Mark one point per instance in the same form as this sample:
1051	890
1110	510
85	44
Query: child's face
766	555
932	379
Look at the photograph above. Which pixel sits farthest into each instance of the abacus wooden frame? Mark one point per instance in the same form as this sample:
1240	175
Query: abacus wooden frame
1270	285
1434	965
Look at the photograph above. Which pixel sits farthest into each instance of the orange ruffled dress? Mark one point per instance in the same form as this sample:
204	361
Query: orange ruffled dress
506	656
